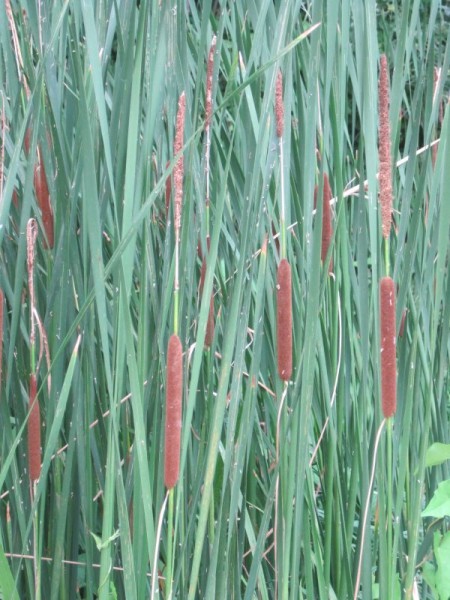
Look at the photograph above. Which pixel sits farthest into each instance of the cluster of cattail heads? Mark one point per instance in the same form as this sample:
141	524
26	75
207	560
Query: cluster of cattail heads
388	347
384	149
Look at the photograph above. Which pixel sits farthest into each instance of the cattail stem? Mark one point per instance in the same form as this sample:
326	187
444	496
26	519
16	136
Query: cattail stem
170	555
279	120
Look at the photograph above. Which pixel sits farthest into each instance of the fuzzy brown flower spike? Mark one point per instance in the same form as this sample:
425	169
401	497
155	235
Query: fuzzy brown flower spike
34	432
327	225
384	148
279	104
388	347
178	172
284	320
174	392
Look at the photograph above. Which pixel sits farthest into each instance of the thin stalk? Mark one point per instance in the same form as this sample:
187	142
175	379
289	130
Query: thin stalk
283	229
170	556
389	523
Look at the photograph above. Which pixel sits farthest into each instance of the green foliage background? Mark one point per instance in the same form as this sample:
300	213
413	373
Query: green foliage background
104	79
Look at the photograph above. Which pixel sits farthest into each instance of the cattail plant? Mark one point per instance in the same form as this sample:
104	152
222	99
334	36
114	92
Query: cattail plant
384	149
174	389
174	351
174	366
388	347
327	225
284	320
284	286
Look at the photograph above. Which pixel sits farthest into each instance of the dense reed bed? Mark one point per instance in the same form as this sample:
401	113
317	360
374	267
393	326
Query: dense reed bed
279	476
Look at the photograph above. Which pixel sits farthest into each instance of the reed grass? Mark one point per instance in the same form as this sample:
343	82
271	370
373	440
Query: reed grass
284	489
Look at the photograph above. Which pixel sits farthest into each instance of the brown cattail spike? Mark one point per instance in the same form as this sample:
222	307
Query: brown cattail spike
209	83
388	347
384	149
279	104
327	227
178	172
284	320
34	432
174	390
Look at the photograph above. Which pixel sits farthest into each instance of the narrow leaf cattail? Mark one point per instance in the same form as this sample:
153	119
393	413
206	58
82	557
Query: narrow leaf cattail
327	226
209	83
34	432
388	347
174	390
178	172
384	149
284	320
279	105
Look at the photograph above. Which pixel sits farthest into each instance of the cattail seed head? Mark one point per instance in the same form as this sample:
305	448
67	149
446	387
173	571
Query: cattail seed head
174	391
327	226
388	347
34	432
178	172
284	320
384	149
209	83
279	104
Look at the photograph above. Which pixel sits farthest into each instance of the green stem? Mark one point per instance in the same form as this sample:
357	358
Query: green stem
283	233
169	562
389	523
